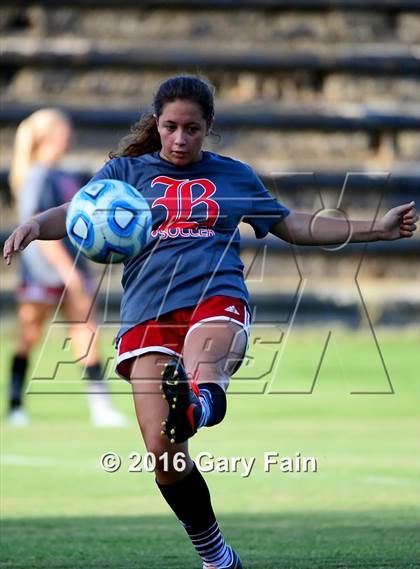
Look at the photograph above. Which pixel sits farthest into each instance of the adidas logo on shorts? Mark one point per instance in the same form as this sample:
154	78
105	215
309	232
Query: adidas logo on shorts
231	309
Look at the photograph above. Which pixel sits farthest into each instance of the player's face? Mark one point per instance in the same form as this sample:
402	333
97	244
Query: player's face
58	139
182	129
54	143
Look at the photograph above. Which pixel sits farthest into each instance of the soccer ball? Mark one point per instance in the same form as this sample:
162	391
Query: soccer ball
109	221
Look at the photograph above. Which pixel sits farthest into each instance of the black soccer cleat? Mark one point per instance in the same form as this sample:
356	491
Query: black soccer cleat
236	563
182	395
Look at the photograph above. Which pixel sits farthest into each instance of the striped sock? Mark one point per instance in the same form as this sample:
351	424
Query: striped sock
206	401
189	499
212	548
213	404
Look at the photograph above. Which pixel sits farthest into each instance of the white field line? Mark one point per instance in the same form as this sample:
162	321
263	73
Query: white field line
43	462
388	480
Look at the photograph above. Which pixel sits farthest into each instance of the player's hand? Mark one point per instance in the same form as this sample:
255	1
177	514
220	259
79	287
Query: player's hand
399	222
20	238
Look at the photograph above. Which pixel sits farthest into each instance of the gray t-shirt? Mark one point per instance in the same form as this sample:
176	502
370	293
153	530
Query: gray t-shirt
42	189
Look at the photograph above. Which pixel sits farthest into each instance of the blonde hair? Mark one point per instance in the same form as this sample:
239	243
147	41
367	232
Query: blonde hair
28	135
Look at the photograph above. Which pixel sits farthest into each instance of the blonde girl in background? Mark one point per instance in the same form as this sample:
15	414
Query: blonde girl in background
49	269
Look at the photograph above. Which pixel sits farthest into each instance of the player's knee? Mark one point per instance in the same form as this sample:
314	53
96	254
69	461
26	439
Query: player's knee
210	371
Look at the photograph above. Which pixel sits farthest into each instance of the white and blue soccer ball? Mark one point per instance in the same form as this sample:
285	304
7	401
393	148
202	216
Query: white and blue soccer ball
109	221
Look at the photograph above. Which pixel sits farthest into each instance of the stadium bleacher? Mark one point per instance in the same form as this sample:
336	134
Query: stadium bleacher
321	86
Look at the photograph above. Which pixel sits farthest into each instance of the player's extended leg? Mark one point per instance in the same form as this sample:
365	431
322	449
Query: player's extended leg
150	409
184	490
84	341
31	318
196	393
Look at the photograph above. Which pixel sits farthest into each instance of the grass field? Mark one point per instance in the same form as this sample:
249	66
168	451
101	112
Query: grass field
360	509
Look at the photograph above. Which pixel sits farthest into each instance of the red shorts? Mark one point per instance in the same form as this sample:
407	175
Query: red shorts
167	334
34	292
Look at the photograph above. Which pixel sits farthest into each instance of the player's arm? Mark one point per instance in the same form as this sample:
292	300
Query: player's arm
304	229
50	224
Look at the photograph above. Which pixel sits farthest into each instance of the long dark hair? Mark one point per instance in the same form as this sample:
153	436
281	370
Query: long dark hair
144	137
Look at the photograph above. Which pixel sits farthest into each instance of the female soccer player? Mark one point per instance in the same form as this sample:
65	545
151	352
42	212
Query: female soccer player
184	312
41	141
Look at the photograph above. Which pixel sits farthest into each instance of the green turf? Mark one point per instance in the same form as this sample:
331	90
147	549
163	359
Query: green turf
59	509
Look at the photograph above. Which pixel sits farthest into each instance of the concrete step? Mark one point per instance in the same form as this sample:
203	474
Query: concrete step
388	58
296	5
303	188
270	137
116	86
258	115
240	23
268	152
